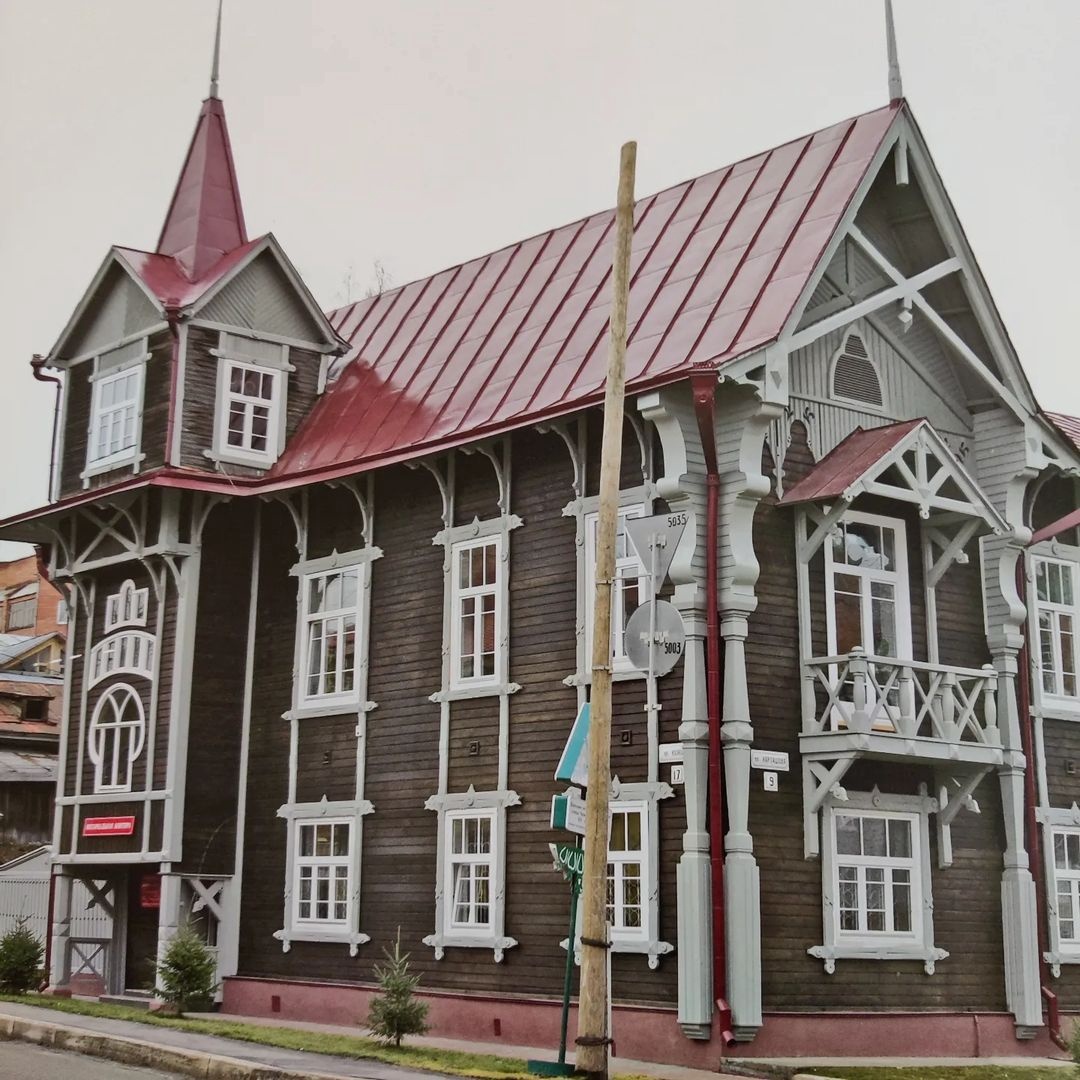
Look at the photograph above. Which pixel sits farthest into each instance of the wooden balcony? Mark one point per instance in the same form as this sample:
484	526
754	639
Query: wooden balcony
899	708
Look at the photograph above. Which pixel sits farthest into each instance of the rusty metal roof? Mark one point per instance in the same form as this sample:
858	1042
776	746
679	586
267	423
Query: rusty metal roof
849	461
520	335
1069	426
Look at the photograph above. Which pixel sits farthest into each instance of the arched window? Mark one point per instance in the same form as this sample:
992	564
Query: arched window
854	377
126	607
117	734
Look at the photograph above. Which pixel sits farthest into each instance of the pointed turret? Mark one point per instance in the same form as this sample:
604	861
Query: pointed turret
205	219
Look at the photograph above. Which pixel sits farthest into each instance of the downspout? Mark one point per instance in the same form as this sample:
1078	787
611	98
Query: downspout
37	362
703	388
1031	824
172	317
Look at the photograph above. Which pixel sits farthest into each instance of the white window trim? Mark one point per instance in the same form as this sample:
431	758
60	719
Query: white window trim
646	940
119	600
899	578
135	743
919	945
275	428
129	653
1063	706
633	502
329	704
449	539
458	682
321	813
492	937
133	454
485	813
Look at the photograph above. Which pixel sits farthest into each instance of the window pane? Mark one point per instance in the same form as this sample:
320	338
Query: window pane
901	903
847	835
618	833
873	831
899	838
1059	851
307	840
848	607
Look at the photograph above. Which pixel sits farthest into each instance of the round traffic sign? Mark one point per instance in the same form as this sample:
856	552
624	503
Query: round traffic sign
662	639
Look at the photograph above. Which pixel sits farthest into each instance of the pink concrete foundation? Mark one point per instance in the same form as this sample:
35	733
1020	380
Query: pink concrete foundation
653	1034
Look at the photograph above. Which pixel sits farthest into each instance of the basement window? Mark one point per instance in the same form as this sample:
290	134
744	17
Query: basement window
854	376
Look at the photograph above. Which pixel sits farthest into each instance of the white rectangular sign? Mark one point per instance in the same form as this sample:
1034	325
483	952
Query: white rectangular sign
775	760
676	774
670	753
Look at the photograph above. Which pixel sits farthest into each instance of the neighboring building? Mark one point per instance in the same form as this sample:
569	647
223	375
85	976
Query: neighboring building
29	604
331	605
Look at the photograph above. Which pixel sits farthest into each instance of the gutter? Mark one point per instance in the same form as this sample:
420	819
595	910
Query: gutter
37	362
703	388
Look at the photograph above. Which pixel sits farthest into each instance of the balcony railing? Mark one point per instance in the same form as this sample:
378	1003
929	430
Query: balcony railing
864	693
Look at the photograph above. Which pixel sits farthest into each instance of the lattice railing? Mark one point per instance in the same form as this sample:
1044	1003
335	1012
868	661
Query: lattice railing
862	692
89	956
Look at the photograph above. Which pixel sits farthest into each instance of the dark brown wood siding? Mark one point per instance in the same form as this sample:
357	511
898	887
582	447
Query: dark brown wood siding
215	722
402	764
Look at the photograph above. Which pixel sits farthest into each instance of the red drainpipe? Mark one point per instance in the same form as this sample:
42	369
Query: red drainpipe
1031	825
703	387
37	362
172	316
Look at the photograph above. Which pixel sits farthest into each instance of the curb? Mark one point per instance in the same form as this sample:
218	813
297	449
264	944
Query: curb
147	1055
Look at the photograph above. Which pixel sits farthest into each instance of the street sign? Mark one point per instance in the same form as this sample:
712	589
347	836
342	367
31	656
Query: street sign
671	753
661	532
573	767
655	646
773	760
570	859
568	812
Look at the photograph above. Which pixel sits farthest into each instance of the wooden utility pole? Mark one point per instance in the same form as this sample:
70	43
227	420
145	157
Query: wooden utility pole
593	1037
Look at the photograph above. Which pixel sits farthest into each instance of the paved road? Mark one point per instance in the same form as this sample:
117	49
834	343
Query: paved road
24	1061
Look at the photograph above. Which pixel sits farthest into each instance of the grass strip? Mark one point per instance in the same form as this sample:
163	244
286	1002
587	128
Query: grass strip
1064	1071
429	1059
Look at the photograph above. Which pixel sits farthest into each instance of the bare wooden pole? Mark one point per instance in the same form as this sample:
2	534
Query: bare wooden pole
593	1036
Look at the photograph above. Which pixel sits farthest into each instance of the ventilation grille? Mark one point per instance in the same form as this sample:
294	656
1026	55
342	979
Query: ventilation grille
854	375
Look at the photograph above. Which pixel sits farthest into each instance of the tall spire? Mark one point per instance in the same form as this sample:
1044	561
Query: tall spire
217	54
205	219
896	86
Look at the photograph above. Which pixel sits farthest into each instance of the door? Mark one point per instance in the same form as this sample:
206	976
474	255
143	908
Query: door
143	905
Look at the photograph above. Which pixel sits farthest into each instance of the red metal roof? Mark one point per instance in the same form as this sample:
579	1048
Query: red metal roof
1069	426
165	278
849	461
520	335
205	219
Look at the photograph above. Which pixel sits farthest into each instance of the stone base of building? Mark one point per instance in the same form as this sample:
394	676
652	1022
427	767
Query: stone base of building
648	1033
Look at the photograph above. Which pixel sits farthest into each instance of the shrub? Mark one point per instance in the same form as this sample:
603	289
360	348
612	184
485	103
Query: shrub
20	959
396	1013
185	974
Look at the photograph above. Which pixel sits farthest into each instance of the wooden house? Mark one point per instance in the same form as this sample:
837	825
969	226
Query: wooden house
329	580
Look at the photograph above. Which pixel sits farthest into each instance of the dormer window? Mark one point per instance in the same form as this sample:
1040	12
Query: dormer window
249	427
854	376
116	407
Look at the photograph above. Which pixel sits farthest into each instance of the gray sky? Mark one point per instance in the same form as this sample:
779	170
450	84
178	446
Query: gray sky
424	132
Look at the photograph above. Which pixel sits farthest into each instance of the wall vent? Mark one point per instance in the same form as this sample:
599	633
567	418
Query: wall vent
854	377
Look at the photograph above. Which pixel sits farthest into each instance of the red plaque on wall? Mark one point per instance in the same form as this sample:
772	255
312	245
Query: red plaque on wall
150	891
108	826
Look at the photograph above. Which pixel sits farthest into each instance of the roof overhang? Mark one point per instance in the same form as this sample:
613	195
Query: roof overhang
908	462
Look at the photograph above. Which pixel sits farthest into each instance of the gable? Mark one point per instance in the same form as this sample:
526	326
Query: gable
261	297
114	308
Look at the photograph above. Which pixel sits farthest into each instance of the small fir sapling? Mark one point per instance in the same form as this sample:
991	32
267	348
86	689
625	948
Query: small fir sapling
20	960
185	974
396	1013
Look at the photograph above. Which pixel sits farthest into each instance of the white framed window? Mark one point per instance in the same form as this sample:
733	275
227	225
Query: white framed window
249	426
628	885
1066	878
1055	617
876	880
630	591
62	613
22	608
116	736
470	881
476	613
331	632
126	607
322	868
322	872
115	406
130	653
471	845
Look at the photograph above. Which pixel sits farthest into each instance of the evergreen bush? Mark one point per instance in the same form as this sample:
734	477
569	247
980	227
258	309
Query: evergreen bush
185	975
396	1012
20	959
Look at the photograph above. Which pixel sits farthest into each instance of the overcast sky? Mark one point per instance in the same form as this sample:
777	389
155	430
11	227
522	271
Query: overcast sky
421	133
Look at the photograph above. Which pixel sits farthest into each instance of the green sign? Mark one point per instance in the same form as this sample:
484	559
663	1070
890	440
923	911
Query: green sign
571	859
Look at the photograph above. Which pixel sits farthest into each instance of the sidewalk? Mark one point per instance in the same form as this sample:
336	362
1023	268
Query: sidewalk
217	1058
